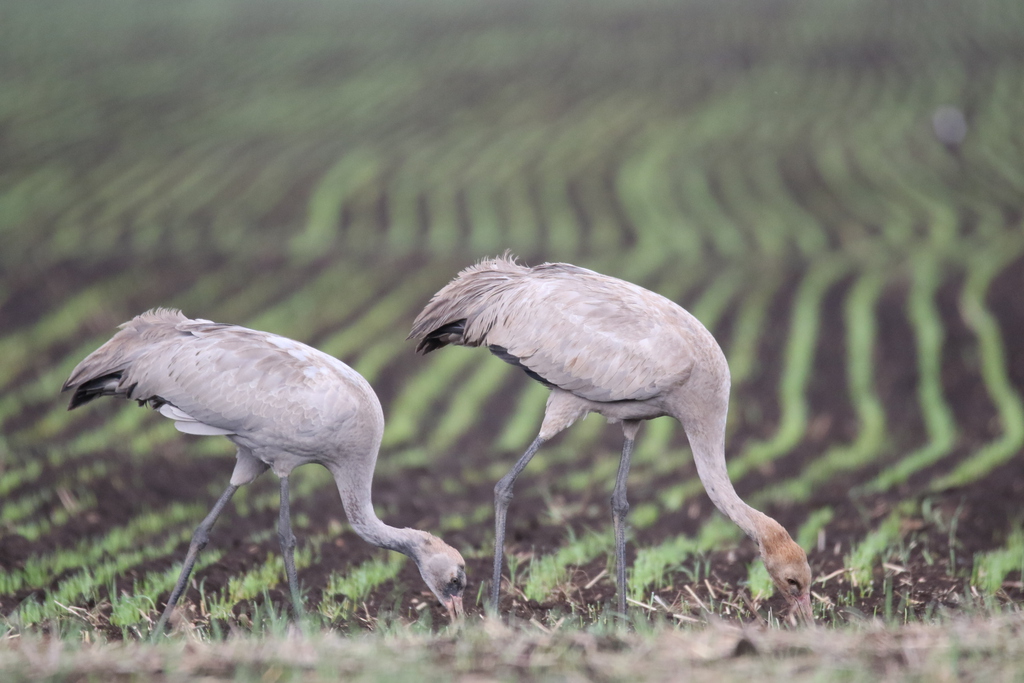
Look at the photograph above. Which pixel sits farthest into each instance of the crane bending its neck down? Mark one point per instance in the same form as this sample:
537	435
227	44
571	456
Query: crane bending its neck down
283	404
607	346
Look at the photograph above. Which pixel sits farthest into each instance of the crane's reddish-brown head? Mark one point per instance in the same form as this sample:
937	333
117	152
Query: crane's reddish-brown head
444	572
786	563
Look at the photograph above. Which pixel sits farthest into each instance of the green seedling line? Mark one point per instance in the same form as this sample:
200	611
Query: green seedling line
443	222
138	195
482	178
138	606
523	219
832	163
42	389
605	233
578	441
351	173
200	193
807	535
358	582
564	232
31	201
373	360
251	584
404	191
25	515
13	478
467	400
609	122
798	363
868	197
993	151
421	391
571	146
13	511
84	585
982	268
523	423
385	315
485	233
644	194
17	349
940	217
582	477
113	179
872	548
303	484
991	568
749	325
871	437
444	226
198	182
695	188
940	425
40	570
323	302
276	177
759	581
547	572
655	566
766	235
806	232
208	297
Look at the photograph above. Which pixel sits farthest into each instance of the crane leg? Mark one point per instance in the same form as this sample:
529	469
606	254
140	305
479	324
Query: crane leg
620	506
287	538
200	538
502	497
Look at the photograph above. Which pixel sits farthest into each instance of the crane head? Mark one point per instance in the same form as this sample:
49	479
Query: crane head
786	563
444	572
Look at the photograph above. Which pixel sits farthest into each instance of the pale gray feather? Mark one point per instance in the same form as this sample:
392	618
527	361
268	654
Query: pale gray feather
283	403
596	336
610	347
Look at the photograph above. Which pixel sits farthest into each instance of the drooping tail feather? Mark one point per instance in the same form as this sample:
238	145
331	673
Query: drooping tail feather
102	371
94	388
442	336
452	311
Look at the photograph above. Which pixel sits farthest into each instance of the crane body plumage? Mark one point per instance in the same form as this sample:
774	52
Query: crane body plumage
282	403
607	346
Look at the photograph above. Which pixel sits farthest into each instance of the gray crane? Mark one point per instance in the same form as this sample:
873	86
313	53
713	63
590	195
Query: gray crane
283	404
610	347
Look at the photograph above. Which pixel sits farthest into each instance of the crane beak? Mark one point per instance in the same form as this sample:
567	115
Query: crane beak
454	607
802	609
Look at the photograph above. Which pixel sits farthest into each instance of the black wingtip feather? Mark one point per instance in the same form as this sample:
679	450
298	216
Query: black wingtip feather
94	388
440	337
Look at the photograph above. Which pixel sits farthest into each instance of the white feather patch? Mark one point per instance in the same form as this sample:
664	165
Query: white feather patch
201	429
187	424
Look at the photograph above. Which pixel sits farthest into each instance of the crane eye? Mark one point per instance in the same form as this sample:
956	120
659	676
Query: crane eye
794	584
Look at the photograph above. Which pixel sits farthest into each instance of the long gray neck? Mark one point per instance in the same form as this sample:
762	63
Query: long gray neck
705	429
355	496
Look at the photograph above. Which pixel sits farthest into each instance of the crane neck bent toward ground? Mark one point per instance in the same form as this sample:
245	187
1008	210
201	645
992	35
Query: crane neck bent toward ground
283	404
611	347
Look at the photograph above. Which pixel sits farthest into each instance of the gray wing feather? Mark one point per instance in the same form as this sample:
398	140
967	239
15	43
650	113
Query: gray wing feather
598	337
212	378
